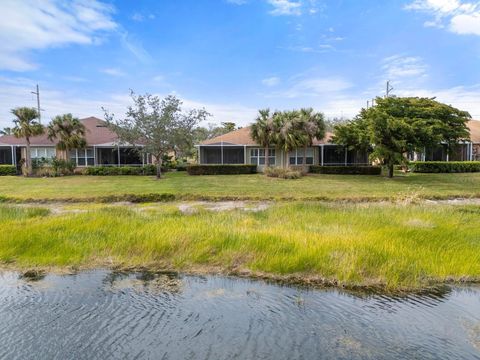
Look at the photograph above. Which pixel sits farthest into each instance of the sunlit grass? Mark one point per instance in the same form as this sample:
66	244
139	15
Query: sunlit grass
398	246
256	186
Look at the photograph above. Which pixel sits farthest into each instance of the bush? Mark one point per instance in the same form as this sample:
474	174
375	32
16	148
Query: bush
444	166
282	173
182	167
6	170
221	169
346	170
122	170
62	167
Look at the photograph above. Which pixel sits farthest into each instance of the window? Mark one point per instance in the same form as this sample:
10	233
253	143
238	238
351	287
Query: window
83	157
257	156
42	152
295	157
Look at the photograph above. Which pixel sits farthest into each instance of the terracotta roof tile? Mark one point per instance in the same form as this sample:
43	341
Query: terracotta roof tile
242	137
474	126
96	134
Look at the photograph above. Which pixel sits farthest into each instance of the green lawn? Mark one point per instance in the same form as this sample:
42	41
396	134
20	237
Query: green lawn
355	244
329	187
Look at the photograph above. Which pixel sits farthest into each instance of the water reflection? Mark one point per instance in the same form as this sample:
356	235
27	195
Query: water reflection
101	315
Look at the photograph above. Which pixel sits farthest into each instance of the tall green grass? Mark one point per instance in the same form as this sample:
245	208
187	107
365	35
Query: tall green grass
391	245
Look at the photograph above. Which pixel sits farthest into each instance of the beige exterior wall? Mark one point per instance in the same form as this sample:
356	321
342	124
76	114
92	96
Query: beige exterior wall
476	152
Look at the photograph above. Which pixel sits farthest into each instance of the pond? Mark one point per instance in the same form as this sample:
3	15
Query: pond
102	315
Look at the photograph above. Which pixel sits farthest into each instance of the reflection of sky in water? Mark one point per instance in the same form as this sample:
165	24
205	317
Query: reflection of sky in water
101	315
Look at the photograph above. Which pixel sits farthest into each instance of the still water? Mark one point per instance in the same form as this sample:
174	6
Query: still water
104	315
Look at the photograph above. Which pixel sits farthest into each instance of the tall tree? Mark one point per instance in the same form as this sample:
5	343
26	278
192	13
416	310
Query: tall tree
312	125
153	126
68	131
263	131
396	126
26	127
289	135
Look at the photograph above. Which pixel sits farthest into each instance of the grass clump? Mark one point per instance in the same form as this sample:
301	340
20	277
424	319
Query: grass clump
354	245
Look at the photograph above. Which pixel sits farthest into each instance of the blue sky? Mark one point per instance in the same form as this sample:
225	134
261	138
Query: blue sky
236	56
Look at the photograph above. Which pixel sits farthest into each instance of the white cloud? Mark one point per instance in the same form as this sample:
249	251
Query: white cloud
113	72
16	92
31	25
398	67
137	17
311	87
285	7
458	17
271	81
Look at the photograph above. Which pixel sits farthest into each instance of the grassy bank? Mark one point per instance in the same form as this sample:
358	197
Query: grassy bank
183	186
390	245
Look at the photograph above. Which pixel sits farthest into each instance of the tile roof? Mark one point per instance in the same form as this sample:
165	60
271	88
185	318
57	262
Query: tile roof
242	136
96	134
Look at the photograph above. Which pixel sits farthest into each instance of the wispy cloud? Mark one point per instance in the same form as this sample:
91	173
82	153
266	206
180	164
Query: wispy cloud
271	81
456	16
113	72
399	67
285	7
31	25
306	86
138	17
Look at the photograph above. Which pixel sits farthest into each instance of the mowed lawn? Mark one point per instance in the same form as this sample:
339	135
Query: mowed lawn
184	186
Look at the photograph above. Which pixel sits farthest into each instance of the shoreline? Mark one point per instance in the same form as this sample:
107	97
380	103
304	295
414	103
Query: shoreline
314	282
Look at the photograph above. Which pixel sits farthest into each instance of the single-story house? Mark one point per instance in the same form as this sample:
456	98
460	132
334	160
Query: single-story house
103	148
238	147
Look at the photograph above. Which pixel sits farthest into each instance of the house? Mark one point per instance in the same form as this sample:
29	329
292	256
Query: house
238	147
103	148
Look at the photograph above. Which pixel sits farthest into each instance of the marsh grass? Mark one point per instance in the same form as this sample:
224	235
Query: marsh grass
396	246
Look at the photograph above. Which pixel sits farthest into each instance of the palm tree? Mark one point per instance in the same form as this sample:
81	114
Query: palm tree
312	125
6	131
26	127
289	137
68	131
263	131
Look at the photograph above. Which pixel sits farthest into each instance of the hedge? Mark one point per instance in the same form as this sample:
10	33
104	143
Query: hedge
346	170
444	166
221	169
8	170
121	170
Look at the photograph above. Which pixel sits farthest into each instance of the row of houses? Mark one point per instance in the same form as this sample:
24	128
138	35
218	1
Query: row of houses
103	148
236	147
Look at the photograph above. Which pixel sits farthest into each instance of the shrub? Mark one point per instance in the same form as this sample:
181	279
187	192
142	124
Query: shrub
62	167
282	173
346	170
8	170
221	169
122	170
182	167
444	166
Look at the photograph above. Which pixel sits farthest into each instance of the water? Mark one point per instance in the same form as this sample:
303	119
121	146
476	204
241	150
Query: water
103	315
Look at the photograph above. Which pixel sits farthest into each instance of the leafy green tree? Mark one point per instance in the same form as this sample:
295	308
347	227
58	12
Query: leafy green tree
229	126
26	127
263	131
396	126
311	125
68	131
154	126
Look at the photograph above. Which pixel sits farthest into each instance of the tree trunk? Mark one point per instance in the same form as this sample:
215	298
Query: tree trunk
267	163
390	170
159	168
28	158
